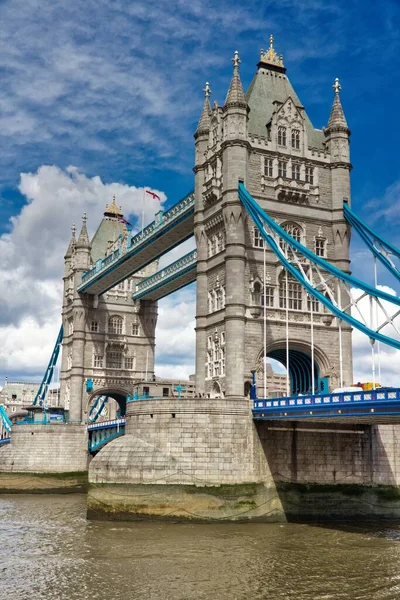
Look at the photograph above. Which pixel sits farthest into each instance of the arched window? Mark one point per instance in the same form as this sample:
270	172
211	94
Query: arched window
282	136
294	293
295	139
293	230
115	325
320	245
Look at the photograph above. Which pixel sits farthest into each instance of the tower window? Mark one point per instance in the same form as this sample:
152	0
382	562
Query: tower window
320	245
295	171
115	325
294	294
296	138
310	175
114	359
268	295
135	329
268	167
282	136
258	241
129	363
282	168
97	361
94	326
315	304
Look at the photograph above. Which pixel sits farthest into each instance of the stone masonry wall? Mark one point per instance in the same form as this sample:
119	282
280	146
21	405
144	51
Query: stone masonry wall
56	448
322	453
202	442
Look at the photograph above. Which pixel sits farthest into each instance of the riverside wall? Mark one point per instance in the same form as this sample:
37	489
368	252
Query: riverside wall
206	459
58	448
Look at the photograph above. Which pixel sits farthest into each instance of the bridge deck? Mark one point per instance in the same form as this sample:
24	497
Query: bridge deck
180	273
375	406
168	230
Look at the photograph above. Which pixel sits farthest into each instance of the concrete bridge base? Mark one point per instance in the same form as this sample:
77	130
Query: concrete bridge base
58	448
205	459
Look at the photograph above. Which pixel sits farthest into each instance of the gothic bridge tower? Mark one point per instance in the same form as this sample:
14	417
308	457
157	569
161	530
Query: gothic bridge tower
300	176
108	339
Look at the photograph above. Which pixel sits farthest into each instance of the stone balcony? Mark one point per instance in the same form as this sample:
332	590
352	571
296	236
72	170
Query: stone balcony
295	191
212	189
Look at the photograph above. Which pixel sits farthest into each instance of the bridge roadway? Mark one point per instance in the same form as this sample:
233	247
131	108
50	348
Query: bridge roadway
169	229
180	273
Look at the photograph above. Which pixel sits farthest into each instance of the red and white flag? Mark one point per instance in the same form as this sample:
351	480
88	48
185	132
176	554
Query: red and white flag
153	195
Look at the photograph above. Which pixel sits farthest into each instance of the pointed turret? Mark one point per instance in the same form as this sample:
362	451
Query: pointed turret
82	253
235	95
72	243
83	239
68	258
205	117
337	136
337	120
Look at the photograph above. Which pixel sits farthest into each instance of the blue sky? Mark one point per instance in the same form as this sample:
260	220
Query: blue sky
113	89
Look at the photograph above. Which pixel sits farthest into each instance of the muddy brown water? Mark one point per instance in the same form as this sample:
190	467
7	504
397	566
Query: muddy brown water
48	550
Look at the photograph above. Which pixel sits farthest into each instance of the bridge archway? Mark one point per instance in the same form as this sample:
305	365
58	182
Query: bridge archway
118	395
300	367
216	391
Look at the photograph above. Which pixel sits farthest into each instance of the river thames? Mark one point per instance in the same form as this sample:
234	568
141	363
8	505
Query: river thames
48	550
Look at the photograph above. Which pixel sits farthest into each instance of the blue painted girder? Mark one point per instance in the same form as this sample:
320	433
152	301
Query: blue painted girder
372	403
260	217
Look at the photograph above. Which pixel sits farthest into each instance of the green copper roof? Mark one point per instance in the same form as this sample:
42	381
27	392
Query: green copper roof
108	230
267	87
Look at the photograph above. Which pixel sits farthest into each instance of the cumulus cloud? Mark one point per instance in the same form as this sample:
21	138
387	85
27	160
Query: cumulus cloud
31	267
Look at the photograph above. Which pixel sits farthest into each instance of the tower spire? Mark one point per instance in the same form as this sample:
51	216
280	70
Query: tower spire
72	243
83	239
269	58
235	95
112	210
205	121
337	120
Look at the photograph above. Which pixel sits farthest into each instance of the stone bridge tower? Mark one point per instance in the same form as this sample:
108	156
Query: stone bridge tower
300	176
109	339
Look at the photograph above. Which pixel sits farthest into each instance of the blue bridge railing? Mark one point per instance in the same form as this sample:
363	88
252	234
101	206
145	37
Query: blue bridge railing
105	431
334	404
171	272
161	221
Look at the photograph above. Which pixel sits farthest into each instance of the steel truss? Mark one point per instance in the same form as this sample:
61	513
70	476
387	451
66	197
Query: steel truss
382	249
338	291
48	376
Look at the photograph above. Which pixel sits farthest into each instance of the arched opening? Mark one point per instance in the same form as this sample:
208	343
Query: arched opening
105	405
300	370
216	390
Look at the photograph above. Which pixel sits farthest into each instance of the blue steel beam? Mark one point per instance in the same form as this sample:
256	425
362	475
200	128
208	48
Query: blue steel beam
259	216
175	276
371	239
372	404
42	391
167	231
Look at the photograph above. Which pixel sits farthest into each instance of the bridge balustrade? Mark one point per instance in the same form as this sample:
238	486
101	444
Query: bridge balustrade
162	221
105	431
168	274
312	405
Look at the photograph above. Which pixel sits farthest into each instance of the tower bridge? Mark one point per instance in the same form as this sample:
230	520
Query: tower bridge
271	217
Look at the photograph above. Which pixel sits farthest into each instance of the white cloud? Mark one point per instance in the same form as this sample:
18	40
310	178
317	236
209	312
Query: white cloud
31	268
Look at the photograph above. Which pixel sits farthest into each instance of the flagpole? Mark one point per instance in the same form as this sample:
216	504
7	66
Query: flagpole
143	195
